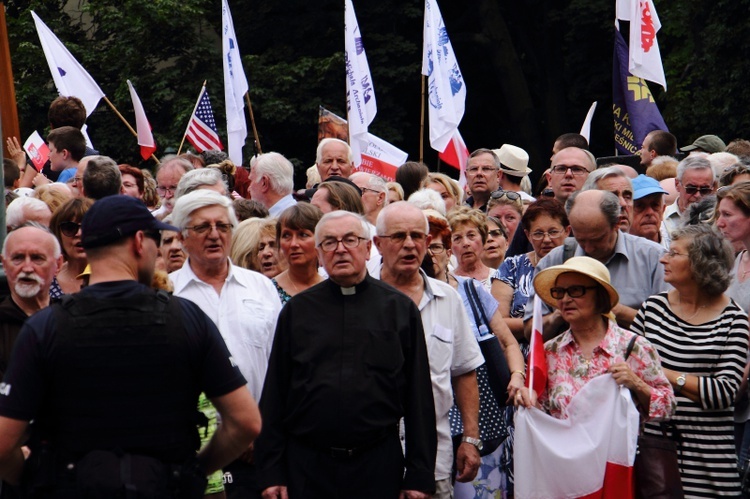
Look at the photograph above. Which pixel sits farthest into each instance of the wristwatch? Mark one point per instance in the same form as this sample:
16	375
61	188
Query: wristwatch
476	442
681	379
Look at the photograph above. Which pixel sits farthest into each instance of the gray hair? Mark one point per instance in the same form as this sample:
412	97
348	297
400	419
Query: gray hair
57	251
693	163
277	169
201	198
16	212
592	182
196	179
711	257
329	140
174	161
427	198
339	214
609	206
398	206
101	177
486	151
374	182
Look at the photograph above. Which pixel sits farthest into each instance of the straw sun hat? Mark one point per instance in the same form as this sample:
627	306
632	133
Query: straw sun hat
545	280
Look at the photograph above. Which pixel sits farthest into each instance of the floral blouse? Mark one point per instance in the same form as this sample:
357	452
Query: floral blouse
568	371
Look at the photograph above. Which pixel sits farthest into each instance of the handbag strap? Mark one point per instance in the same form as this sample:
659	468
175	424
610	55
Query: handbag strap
471	292
631	344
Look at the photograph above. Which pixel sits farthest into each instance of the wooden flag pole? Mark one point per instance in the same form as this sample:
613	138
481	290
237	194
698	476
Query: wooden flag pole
252	122
421	123
135	134
191	118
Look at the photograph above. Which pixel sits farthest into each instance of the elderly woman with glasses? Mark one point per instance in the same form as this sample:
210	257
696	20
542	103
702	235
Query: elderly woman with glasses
506	206
702	337
65	224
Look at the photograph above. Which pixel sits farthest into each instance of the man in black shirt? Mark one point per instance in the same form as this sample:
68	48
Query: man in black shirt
111	377
348	362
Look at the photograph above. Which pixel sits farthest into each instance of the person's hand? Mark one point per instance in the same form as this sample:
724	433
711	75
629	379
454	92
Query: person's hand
624	376
275	492
523	397
16	152
40	179
516	383
467	462
414	494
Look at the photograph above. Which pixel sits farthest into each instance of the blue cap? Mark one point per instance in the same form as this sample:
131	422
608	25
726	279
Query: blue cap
644	185
114	217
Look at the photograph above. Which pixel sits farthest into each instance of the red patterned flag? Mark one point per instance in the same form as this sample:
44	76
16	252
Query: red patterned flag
201	131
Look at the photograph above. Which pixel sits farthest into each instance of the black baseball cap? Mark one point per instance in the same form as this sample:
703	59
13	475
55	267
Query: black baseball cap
114	217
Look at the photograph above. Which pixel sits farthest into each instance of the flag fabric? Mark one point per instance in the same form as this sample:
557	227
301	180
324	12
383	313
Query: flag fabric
586	127
201	131
634	109
37	150
589	455
145	137
379	158
447	91
70	78
456	154
360	93
536	375
644	58
235	87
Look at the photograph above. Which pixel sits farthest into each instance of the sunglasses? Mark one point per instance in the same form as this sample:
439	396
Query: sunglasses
573	291
512	195
690	190
70	229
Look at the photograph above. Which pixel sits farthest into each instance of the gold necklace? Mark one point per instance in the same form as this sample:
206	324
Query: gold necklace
682	308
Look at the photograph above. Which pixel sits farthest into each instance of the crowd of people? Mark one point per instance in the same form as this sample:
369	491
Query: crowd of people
210	331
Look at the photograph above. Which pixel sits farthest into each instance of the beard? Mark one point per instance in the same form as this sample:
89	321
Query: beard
28	289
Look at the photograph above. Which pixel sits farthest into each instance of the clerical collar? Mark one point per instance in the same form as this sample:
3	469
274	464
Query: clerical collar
349	291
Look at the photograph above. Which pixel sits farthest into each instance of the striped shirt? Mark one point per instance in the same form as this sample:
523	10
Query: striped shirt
716	352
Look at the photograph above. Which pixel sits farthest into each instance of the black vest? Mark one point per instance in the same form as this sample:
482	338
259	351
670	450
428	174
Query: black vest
121	375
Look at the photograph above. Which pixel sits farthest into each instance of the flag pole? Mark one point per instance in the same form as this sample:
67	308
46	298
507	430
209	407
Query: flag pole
421	123
203	88
135	134
252	122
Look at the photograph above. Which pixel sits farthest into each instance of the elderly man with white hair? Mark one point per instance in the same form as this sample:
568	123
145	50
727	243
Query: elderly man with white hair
236	299
374	195
616	181
26	209
272	182
695	180
202	178
334	158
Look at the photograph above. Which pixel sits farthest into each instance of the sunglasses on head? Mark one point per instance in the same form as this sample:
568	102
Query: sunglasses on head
512	195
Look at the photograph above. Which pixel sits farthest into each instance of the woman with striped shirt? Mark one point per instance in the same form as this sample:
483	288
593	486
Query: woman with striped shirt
702	338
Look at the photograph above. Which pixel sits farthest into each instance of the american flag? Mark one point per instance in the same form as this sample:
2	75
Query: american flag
201	131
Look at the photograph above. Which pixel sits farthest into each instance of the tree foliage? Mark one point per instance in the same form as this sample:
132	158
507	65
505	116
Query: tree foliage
531	68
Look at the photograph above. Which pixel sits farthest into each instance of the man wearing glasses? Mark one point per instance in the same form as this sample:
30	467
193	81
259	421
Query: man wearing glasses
168	176
236	299
568	171
348	362
482	177
695	180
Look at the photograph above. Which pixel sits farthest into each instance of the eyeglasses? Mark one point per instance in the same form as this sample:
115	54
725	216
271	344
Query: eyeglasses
473	170
436	249
204	228
365	189
154	235
573	291
400	237
673	253
512	195
350	241
70	229
76	180
574	170
705	190
540	235
162	191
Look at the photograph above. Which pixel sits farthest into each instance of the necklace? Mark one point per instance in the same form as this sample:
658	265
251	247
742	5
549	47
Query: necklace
682	308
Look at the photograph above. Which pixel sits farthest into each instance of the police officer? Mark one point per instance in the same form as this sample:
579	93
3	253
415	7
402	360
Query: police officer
111	378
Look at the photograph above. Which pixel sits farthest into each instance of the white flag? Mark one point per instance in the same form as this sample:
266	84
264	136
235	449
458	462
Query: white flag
586	127
360	94
70	78
145	137
447	91
235	87
644	56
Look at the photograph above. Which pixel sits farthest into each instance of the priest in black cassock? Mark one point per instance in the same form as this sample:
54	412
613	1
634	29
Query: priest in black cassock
348	362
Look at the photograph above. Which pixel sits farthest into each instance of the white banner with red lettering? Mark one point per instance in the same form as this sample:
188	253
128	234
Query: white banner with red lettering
381	158
589	455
